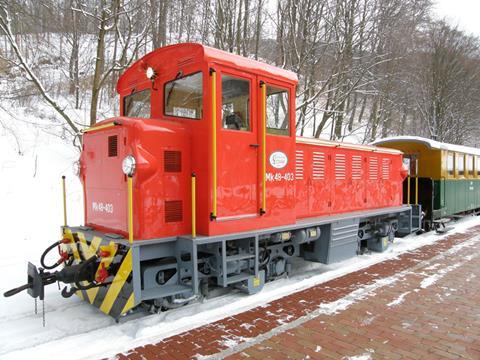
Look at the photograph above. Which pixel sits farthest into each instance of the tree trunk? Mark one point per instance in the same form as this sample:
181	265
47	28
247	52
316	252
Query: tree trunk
258	29
99	65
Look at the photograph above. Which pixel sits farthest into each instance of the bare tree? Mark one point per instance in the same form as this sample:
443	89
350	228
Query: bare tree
5	27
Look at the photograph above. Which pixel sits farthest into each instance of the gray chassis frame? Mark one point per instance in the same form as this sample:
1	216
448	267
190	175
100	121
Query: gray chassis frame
338	237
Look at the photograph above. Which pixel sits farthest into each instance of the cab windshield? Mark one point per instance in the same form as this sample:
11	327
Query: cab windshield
137	104
183	97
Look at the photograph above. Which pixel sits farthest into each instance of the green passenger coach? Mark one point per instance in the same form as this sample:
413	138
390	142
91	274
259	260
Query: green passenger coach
443	178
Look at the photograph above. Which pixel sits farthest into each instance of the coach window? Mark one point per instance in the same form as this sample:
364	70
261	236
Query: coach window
184	97
477	165
450	164
460	164
470	165
137	104
278	121
235	103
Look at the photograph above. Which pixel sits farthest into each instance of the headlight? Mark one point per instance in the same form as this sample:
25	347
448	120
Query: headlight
128	165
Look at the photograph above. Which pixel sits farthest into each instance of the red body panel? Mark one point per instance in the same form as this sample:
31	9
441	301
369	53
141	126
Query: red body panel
332	180
311	180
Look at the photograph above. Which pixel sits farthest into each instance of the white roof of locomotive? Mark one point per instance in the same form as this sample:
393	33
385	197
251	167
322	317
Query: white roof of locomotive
432	144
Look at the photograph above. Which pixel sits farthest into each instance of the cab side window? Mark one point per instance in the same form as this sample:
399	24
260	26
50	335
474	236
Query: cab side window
235	103
450	164
137	104
278	120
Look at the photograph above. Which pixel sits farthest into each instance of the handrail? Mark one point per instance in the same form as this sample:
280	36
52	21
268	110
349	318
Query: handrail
263	88
408	190
99	127
194	212
213	77
416	190
130	209
64	201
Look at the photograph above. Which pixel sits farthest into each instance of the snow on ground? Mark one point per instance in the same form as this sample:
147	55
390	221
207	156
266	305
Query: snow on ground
398	300
31	213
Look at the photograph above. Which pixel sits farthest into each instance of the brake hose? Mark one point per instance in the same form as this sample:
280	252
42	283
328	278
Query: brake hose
47	250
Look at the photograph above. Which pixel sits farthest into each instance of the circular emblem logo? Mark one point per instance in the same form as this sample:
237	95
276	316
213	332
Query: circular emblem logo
278	160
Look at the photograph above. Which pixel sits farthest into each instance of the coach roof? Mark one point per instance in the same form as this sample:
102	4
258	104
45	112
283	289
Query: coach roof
431	144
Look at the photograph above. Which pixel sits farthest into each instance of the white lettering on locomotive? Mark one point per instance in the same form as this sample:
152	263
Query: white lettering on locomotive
289	176
102	207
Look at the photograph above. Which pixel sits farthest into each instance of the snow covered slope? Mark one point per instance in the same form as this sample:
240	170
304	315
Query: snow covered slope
32	162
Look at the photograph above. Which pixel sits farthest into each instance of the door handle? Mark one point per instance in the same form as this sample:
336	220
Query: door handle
254	145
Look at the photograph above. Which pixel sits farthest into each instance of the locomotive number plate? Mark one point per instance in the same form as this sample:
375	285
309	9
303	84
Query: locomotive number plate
279	176
102	207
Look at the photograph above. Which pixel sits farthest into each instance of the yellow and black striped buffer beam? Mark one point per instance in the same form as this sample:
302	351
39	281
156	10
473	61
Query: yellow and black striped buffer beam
116	297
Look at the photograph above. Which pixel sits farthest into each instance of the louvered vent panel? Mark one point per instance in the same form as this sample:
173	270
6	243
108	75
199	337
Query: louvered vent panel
299	165
184	61
356	167
385	169
318	166
172	161
112	146
173	211
373	168
340	167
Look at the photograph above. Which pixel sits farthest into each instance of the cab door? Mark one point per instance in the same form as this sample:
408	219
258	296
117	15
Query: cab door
238	146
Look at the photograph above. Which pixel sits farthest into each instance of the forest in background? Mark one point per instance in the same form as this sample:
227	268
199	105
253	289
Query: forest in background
367	68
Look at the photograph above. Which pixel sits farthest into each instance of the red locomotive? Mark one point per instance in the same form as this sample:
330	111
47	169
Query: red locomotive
202	183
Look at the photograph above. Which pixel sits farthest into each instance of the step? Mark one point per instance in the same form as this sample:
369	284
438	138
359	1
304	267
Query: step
442	220
238	278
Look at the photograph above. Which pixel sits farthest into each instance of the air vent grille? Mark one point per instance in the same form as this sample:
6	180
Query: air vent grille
340	167
173	211
356	167
373	168
184	61
385	169
318	166
112	146
172	161
299	165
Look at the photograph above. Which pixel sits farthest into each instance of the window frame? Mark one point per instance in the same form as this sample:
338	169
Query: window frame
283	88
251	117
125	97
203	98
460	158
451	171
470	160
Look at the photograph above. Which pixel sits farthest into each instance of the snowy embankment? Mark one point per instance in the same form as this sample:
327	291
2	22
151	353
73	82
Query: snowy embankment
31	213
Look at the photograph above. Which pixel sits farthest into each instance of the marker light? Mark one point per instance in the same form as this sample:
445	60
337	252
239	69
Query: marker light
151	74
128	165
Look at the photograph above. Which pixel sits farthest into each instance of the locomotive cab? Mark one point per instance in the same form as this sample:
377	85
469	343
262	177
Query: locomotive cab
189	109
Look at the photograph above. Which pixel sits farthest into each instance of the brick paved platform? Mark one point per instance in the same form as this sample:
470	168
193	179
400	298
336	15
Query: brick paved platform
425	304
